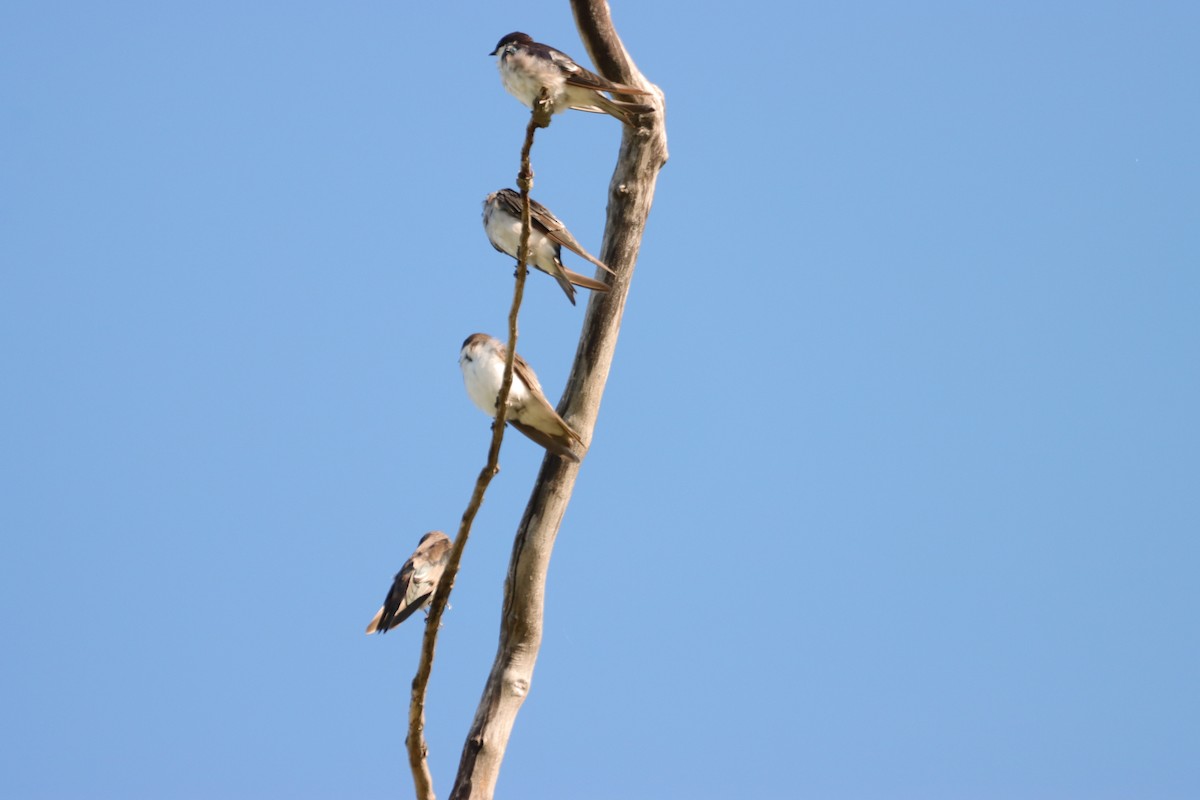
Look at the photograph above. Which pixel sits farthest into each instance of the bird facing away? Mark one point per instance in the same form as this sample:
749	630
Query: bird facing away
526	67
547	237
413	585
482	362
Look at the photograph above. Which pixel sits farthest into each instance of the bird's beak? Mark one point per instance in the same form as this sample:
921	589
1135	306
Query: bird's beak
497	50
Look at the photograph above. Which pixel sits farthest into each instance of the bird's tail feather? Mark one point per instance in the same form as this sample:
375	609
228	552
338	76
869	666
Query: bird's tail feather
379	625
585	282
578	250
623	111
564	280
559	445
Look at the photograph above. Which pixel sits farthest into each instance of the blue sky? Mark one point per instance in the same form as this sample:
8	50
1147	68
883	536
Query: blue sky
893	492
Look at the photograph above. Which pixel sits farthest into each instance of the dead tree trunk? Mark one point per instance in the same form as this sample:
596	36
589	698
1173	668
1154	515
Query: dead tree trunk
630	194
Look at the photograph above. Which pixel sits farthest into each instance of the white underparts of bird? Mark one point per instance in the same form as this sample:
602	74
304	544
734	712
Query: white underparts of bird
482	362
413	586
527	67
547	237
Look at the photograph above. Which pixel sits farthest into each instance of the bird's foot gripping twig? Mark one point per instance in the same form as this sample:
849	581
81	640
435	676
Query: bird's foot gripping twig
540	118
542	109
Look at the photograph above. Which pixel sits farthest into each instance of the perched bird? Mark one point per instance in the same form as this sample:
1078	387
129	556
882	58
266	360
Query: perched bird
547	237
413	585
526	67
482	363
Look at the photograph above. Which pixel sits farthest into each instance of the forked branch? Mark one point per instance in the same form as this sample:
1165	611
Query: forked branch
642	154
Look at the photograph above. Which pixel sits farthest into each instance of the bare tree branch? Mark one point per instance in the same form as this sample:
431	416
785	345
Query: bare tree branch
631	192
418	748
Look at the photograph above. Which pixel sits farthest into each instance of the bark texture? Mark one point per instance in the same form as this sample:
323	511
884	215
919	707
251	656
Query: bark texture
642	154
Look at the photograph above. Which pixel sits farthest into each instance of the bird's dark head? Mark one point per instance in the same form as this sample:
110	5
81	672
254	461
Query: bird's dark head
475	339
432	535
516	37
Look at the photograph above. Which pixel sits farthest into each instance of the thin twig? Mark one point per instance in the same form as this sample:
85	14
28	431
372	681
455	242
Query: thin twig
418	748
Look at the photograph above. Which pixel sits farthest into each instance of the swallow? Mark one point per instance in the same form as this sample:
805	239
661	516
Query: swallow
413	585
526	67
547	237
482	362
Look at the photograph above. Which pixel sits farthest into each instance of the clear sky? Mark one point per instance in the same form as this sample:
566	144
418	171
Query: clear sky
895	490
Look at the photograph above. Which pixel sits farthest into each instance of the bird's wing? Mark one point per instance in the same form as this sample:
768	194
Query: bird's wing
558	445
539	216
524	372
575	75
544	413
557	232
586	282
588	79
396	606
